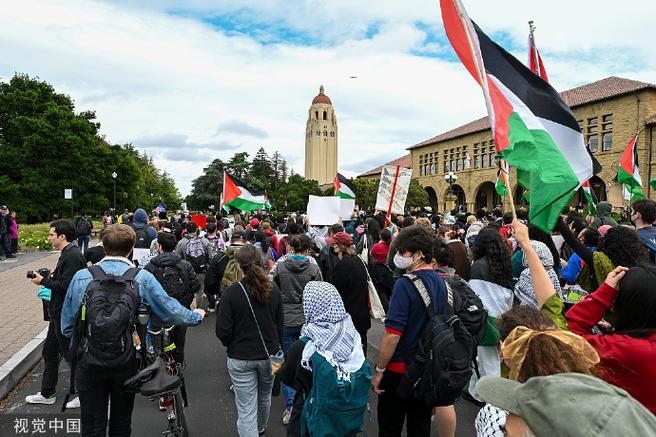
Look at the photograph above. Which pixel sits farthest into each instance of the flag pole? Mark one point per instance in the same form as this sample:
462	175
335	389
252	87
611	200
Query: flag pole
461	15
534	48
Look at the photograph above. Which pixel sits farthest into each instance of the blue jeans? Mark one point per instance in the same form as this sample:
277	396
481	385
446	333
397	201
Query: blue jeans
253	382
289	335
83	240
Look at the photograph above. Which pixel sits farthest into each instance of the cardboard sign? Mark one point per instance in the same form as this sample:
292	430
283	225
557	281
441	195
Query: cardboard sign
387	186
324	210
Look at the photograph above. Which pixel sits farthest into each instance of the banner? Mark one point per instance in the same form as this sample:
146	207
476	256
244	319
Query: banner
393	185
346	208
324	210
200	220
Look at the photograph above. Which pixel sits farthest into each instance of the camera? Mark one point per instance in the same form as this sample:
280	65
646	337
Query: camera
43	272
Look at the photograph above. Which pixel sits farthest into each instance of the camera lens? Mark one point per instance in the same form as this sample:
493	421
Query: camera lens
30	274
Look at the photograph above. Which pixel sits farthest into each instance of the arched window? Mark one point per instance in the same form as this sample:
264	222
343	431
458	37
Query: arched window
332	134
325	115
325	133
316	114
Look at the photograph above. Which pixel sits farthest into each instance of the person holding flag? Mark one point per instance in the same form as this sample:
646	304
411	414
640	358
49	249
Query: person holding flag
628	171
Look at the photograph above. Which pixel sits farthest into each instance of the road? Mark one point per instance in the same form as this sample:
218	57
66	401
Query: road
211	410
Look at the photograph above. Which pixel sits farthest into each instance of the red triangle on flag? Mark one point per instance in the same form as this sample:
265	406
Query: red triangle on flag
230	190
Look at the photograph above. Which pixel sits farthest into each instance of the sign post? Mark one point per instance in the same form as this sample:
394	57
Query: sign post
68	195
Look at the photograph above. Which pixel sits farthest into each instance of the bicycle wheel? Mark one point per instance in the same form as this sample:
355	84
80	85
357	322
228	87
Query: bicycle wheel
180	416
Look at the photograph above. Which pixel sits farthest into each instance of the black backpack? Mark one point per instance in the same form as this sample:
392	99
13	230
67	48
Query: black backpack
108	318
468	307
442	365
143	240
173	280
82	227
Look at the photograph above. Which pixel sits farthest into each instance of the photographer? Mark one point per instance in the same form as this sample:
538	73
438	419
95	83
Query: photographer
61	235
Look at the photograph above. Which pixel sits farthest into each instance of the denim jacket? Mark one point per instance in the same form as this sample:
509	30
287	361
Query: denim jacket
151	292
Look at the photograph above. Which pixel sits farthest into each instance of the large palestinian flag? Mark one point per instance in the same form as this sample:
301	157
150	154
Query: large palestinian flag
534	130
628	172
238	195
343	187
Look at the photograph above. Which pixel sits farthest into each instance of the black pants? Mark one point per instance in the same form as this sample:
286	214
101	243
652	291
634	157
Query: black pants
96	387
54	348
177	335
393	411
212	293
14	245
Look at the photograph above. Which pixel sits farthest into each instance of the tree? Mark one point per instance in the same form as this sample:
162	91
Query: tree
207	188
261	175
283	171
238	165
294	194
417	196
365	192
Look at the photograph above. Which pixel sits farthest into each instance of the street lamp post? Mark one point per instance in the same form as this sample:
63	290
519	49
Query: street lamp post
450	179
114	175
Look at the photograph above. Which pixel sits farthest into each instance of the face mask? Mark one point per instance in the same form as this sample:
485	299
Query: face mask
402	262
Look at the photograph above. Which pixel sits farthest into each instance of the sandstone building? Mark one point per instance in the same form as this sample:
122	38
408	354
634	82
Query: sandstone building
321	140
609	111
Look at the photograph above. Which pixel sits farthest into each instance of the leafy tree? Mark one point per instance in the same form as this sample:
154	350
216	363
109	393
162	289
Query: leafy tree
417	196
207	188
283	170
238	165
365	192
293	195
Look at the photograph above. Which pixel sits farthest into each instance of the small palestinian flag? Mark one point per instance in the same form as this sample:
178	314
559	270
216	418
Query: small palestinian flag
343	187
502	177
652	182
238	195
628	172
534	130
590	197
534	58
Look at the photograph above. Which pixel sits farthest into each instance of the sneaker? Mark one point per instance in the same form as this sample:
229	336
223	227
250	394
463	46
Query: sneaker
40	399
11	256
286	416
75	403
162	407
232	388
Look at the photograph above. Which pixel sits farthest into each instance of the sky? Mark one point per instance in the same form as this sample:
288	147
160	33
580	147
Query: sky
191	81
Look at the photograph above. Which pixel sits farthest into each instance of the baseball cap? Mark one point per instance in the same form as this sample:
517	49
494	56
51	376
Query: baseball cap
569	404
340	238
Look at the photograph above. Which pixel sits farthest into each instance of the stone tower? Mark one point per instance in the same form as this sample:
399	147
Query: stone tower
321	140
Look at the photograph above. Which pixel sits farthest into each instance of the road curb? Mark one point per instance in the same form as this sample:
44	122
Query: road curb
20	363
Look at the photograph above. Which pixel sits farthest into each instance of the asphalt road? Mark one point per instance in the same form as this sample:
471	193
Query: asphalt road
211	410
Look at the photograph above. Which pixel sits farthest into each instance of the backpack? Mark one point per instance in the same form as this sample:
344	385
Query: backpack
468	307
108	319
651	247
196	254
232	274
217	241
335	407
82	226
442	365
143	240
173	280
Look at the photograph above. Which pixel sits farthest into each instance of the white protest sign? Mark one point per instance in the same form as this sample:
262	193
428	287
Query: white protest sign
68	193
142	256
324	210
346	208
386	186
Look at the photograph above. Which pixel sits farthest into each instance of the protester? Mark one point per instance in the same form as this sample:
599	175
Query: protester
250	322
603	215
350	280
99	384
222	270
523	290
370	236
570	272
643	214
475	227
404	327
198	251
329	332
83	227
178	279
460	258
268	255
381	275
13	233
56	345
291	276
213	236
327	256
5	225
291	229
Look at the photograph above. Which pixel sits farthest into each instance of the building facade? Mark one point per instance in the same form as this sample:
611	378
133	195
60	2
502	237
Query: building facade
609	111
321	140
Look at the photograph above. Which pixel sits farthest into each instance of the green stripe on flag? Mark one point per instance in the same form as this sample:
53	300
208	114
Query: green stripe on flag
245	205
542	169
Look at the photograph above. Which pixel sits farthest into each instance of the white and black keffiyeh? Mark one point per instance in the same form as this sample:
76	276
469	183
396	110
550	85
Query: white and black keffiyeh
490	421
330	330
524	288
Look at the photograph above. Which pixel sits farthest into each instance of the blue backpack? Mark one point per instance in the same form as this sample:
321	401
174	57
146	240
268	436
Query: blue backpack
335	408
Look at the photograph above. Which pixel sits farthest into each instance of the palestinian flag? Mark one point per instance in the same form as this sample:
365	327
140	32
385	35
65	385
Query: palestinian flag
534	58
343	187
502	178
238	195
590	197
628	172
652	182
534	130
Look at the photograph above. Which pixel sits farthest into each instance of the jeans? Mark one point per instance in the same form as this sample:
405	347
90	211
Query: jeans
96	387
253	382
54	347
83	240
393	411
289	335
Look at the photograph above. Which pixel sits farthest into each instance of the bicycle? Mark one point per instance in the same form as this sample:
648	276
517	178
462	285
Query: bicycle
164	348
163	380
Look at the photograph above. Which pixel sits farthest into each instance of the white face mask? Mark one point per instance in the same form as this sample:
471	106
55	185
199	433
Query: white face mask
402	262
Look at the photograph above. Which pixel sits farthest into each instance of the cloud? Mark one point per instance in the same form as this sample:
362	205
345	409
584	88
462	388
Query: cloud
241	128
164	76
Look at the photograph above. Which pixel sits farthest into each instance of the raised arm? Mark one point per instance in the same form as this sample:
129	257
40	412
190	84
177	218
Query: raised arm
578	247
539	278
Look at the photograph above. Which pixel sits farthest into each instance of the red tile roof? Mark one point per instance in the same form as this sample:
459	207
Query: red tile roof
404	161
593	92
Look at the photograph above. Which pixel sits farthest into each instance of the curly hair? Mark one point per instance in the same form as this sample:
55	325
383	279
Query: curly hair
255	278
623	246
522	315
490	243
416	238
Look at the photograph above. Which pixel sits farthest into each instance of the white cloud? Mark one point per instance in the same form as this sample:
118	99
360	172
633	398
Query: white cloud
187	92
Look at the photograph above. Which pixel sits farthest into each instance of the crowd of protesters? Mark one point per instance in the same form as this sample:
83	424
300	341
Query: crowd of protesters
557	330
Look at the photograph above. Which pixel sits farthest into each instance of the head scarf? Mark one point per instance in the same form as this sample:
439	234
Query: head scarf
330	330
515	347
524	288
